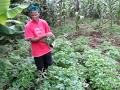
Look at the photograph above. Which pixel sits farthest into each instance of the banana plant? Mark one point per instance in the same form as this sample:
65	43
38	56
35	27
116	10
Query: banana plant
8	13
3	10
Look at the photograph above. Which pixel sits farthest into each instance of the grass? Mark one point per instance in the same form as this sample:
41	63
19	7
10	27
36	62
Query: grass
68	27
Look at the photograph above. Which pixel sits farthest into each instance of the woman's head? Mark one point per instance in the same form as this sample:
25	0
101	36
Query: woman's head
34	12
34	15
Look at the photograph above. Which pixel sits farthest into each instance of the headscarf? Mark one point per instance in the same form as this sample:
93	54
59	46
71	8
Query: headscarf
34	7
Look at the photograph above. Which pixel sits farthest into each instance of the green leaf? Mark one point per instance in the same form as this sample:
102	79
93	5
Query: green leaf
6	30
14	21
3	19
4	5
12	12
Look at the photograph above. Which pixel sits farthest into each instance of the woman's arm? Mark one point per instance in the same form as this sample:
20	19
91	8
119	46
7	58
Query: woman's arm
36	39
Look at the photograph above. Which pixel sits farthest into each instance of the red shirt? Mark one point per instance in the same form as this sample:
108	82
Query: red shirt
35	29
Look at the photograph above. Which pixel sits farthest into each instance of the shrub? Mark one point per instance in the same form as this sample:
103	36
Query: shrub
80	43
102	71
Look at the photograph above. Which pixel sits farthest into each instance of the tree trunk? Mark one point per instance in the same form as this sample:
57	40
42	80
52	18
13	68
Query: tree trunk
77	5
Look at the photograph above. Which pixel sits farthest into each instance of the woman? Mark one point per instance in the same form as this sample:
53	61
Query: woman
36	31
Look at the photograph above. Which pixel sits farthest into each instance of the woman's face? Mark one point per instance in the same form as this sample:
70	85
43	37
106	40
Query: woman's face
34	15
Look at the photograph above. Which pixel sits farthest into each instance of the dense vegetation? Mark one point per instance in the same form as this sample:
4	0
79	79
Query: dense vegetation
86	50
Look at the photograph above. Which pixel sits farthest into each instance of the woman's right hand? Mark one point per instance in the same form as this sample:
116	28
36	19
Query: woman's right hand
50	34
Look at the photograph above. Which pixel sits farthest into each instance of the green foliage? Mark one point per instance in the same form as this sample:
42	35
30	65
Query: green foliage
80	43
63	75
16	72
21	51
100	71
50	14
7	12
61	44
4	6
63	30
82	72
115	29
64	79
49	40
13	12
8	31
5	65
64	55
24	48
77	20
26	75
111	51
65	60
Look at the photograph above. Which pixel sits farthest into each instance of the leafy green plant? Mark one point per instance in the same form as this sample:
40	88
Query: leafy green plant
26	75
65	60
64	55
111	51
4	77
61	43
114	29
7	12
63	75
100	71
63	79
63	30
80	43
17	72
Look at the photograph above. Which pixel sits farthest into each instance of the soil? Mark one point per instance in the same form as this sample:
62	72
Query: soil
95	36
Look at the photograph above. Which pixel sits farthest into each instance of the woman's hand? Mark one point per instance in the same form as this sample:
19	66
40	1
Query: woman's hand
42	37
50	34
50	38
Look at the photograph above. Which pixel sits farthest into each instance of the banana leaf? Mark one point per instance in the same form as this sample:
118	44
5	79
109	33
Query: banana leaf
5	30
13	12
6	12
4	5
14	21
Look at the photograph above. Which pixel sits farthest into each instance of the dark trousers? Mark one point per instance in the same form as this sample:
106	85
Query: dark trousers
43	62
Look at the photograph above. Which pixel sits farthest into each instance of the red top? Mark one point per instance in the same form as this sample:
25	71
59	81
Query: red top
35	29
